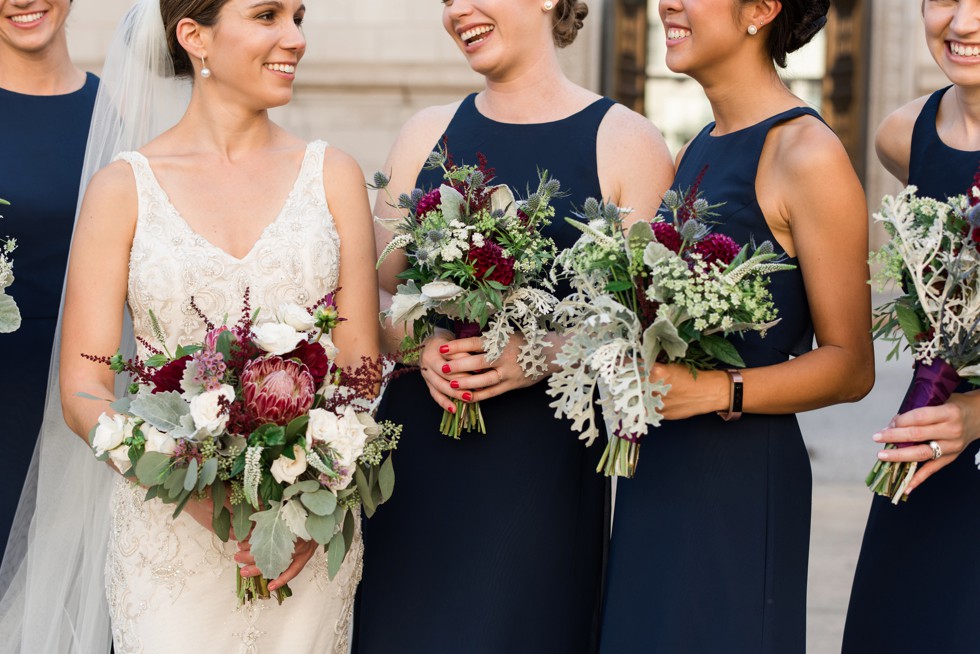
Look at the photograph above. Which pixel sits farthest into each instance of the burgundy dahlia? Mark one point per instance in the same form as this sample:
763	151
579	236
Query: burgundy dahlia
168	377
667	236
277	390
429	202
490	256
717	247
315	358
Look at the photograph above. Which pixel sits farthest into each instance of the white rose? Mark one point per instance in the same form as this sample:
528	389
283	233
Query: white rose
158	441
110	433
286	470
276	338
345	435
120	459
441	290
209	417
296	317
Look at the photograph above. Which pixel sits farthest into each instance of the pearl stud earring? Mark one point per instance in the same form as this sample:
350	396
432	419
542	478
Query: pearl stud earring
205	71
549	5
753	30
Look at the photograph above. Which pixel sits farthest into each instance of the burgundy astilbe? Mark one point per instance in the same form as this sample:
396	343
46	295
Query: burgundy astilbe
135	369
200	314
686	212
362	382
667	236
717	247
491	256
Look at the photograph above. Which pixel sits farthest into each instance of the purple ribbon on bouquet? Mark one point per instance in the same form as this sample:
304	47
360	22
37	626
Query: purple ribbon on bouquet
931	386
466	329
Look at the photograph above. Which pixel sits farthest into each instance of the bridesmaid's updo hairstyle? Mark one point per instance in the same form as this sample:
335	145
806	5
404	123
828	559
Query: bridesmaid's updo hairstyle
569	19
204	12
795	26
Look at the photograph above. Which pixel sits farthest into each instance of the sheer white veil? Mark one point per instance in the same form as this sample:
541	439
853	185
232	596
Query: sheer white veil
53	572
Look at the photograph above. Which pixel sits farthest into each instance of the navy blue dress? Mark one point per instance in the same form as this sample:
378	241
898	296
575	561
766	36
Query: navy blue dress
493	543
710	538
40	171
918	559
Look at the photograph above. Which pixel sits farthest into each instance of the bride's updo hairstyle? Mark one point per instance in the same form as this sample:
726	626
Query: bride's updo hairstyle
795	26
569	18
204	12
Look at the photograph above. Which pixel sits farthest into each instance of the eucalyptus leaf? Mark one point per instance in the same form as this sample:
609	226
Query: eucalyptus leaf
321	527
209	471
308	486
190	479
162	410
321	502
349	525
240	520
183	497
89	396
364	488
152	467
221	524
386	479
335	554
121	405
151	493
272	541
218	495
175	482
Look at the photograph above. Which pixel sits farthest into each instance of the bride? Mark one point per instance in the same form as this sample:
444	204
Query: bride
222	203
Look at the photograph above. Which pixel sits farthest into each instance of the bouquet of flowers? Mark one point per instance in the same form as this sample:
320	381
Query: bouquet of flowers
666	291
260	418
934	257
9	313
475	255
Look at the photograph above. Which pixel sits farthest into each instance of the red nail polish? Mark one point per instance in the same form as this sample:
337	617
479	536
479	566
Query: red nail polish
446	368
452	409
467	396
444	349
454	384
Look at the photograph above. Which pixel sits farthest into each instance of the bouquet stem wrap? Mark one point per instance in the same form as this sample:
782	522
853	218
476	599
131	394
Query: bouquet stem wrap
931	385
468	415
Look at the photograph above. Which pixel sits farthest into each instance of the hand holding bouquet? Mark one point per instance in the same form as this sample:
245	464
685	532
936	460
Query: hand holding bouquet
9	313
259	417
934	256
476	256
669	292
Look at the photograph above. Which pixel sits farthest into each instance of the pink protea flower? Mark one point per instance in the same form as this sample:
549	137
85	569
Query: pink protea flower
717	247
492	255
211	339
667	236
277	390
429	202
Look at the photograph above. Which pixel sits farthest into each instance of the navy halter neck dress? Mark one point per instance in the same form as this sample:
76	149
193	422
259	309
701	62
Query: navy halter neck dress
710	538
918	560
40	169
493	543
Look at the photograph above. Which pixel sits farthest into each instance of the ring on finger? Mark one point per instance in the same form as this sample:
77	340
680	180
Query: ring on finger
936	450
500	378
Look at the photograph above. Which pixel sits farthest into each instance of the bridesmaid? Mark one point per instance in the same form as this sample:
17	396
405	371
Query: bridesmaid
46	104
709	549
933	143
494	543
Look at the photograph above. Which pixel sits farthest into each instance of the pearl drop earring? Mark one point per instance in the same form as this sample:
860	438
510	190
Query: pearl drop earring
548	6
753	30
205	71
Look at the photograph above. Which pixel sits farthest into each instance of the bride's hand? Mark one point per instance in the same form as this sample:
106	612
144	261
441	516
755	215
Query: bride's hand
201	510
304	551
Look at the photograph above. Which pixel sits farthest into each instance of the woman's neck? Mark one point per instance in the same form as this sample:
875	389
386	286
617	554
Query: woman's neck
743	95
539	92
47	72
224	129
964	121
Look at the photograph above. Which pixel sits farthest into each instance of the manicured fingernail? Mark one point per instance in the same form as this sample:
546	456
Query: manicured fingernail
883	455
273	586
444	349
446	368
452	408
877	437
467	396
454	384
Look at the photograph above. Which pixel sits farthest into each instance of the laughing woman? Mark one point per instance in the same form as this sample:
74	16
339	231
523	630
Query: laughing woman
494	543
709	550
933	143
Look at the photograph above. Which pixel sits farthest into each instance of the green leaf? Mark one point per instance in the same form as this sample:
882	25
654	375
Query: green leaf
295	429
221	523
321	527
272	541
184	497
386	479
295	516
190	479
349	527
268	436
617	286
187	350
223	344
218	495
308	486
238	467
89	396
721	349
321	502
161	410
240	520
152	468
209	472
157	361
151	493
121	405
364	488
909	321
175	482
269	488
335	554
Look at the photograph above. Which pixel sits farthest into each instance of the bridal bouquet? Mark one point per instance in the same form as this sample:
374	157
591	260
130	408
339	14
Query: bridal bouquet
934	257
476	256
9	314
667	291
260	418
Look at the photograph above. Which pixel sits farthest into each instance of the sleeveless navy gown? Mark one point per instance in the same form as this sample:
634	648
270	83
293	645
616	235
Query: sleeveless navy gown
39	175
918	559
493	543
710	538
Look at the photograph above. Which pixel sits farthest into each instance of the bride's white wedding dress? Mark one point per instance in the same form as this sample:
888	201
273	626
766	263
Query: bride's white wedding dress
171	583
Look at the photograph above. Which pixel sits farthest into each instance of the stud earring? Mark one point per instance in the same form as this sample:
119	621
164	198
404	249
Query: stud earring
549	5
205	71
753	30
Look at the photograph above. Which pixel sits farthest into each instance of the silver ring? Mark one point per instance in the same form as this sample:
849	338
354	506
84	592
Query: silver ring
936	450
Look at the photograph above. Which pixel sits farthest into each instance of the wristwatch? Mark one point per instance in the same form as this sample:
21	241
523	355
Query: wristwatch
734	396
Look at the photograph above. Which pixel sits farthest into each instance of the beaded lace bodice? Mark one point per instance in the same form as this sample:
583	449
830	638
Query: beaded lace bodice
170	582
